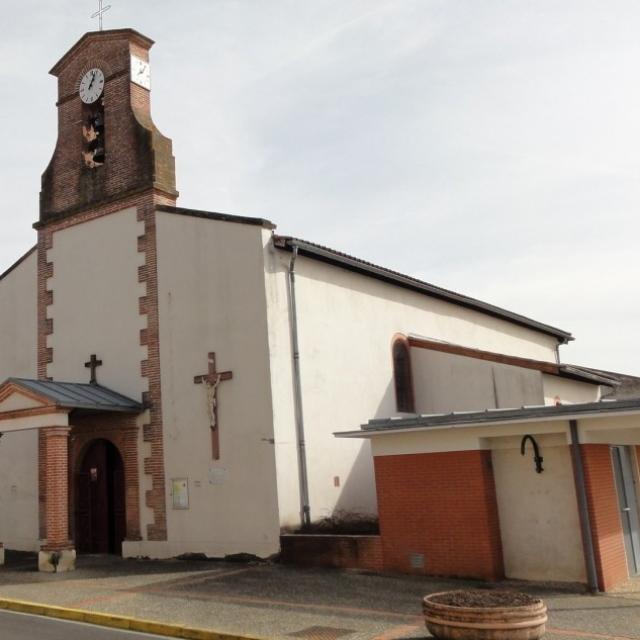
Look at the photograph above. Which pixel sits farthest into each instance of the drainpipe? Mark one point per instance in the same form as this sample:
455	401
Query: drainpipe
305	509
583	508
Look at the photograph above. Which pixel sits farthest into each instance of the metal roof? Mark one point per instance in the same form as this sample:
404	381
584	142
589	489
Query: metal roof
494	416
346	261
75	395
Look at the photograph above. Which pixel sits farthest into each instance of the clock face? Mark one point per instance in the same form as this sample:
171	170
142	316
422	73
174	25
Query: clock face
140	72
91	86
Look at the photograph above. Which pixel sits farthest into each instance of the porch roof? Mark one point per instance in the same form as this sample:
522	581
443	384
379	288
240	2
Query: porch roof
540	413
75	395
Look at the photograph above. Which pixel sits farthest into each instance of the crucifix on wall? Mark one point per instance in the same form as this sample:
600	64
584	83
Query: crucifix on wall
211	380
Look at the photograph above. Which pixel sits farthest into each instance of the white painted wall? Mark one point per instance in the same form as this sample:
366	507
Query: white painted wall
569	391
95	310
212	298
19	451
445	382
19	321
538	512
346	325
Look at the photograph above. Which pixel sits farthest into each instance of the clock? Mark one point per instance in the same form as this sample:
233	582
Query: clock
91	86
140	72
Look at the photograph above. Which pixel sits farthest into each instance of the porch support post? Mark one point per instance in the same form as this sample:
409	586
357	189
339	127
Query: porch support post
57	554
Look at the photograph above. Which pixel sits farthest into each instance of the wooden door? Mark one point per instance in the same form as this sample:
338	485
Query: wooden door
100	505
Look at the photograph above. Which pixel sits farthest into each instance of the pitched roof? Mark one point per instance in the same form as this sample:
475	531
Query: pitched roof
17	263
74	395
331	256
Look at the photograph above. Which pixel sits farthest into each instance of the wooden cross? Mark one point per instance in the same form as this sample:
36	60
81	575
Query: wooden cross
93	364
212	380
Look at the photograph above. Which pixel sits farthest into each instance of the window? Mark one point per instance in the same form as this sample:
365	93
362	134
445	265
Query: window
402	375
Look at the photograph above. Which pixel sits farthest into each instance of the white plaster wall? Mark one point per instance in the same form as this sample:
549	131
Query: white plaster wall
96	310
346	325
445	382
569	391
461	438
19	490
19	321
95	302
19	450
212	298
538	512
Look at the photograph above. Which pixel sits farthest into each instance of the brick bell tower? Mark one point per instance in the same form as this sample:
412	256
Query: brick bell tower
108	147
109	157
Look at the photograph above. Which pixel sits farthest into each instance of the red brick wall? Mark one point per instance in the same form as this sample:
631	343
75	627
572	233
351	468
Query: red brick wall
138	156
442	505
604	512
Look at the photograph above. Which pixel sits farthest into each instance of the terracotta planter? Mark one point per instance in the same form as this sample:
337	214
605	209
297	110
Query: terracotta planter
518	622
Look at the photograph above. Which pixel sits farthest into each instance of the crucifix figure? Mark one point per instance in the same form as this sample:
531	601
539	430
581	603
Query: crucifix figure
93	364
211	380
100	12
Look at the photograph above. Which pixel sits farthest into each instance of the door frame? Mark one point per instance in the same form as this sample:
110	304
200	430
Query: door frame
624	466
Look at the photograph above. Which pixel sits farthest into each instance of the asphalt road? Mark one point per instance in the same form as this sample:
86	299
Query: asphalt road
18	626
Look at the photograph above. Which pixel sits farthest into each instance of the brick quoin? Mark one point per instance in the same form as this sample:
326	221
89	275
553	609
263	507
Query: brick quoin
604	512
441	505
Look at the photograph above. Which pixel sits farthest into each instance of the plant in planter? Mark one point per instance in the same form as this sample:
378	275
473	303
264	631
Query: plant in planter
484	615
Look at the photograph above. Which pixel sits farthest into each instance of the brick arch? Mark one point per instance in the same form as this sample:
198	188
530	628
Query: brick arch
402	373
122	432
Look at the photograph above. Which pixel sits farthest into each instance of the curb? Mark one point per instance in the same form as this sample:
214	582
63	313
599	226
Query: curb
117	622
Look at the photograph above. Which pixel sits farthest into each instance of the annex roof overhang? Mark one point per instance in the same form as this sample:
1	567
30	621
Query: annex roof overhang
325	254
72	395
465	419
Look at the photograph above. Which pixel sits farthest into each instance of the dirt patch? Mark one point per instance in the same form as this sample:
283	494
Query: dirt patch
480	598
342	523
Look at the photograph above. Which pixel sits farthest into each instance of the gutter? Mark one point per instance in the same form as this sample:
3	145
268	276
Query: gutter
305	509
466	419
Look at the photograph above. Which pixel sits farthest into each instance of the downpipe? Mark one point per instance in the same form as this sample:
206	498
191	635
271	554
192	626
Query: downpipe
305	509
583	508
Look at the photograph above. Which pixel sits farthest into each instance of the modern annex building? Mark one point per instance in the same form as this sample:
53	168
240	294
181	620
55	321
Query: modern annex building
173	380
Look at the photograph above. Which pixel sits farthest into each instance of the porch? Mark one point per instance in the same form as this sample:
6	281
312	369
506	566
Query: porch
69	419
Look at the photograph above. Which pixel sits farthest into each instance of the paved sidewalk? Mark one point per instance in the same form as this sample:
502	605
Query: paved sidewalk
275	601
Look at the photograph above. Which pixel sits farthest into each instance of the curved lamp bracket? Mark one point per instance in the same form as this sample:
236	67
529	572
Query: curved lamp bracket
537	458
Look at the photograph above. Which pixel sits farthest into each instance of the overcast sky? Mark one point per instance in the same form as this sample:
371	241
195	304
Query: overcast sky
491	147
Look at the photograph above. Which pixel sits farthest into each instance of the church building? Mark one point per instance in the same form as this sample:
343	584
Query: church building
173	380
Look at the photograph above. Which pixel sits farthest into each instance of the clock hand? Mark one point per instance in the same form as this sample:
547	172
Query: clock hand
93	77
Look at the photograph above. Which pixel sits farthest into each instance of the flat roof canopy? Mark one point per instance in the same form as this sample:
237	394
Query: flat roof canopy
543	413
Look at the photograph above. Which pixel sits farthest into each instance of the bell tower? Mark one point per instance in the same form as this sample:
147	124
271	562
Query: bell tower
108	147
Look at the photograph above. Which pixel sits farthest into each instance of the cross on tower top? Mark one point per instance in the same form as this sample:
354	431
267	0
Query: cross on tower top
100	12
93	364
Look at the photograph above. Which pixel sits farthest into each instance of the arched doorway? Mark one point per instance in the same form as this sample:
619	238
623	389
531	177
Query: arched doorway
100	506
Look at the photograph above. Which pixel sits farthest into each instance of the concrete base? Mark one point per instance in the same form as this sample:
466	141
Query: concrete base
57	561
1	556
